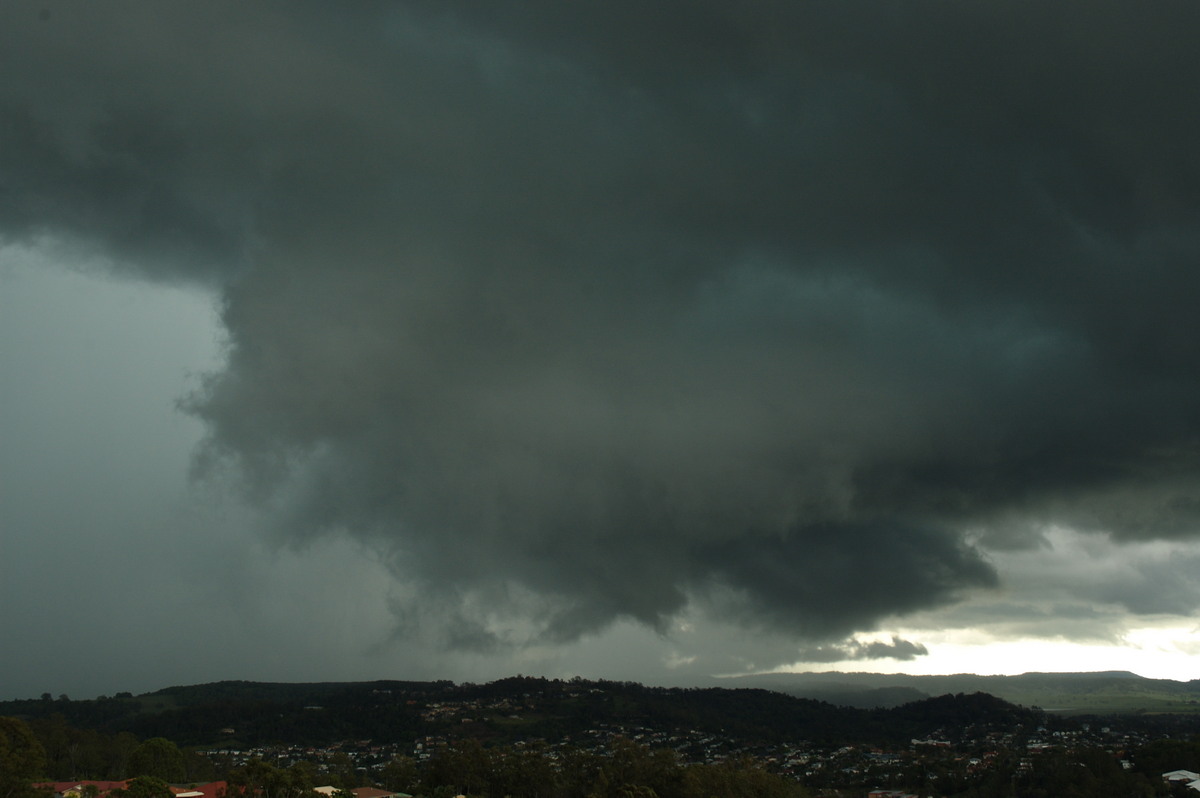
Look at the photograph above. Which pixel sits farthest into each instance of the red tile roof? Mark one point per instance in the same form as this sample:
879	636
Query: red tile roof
102	787
371	792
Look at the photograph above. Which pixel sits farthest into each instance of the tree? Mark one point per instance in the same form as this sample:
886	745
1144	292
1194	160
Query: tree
22	759
529	773
160	758
343	772
120	749
55	736
302	777
633	769
258	779
463	765
199	767
1161	756
738	779
400	775
143	787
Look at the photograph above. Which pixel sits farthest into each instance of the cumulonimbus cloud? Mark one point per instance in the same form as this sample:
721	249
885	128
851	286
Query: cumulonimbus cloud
593	311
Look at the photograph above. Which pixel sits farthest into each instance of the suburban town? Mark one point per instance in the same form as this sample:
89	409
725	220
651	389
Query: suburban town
846	770
467	734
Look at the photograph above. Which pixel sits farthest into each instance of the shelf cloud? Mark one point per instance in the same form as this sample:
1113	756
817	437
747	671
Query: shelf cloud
791	315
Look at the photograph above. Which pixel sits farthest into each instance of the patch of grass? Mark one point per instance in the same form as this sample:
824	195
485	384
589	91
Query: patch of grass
1106	702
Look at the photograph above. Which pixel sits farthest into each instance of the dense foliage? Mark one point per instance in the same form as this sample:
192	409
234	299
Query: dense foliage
22	758
627	771
507	739
315	714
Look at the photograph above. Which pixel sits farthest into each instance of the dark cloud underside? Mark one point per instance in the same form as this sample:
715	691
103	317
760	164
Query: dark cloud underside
596	310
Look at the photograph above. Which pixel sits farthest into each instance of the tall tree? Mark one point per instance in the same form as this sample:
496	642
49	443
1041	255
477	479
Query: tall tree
22	759
258	779
400	775
144	787
160	758
120	749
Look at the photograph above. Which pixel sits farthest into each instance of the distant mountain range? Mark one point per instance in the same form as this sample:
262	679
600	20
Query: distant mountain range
237	715
1106	692
845	706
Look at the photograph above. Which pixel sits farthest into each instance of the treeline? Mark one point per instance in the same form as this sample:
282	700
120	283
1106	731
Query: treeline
50	749
750	715
261	713
1093	773
242	715
464	767
322	713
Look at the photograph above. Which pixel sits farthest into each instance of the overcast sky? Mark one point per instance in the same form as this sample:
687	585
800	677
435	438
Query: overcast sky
655	341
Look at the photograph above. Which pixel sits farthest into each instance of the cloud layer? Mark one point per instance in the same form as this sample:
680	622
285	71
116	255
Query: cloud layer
586	312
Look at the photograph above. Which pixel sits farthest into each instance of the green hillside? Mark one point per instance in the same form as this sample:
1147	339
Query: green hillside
1109	692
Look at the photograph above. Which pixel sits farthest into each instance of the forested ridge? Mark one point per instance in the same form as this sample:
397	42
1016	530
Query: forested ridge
575	739
311	714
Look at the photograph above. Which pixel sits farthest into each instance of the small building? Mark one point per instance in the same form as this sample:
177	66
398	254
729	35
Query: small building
1178	776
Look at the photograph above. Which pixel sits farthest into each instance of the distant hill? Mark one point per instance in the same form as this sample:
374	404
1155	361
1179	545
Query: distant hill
1107	692
820	707
240	714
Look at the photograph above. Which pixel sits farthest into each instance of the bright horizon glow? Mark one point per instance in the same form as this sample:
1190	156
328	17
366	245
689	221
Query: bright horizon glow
1167	652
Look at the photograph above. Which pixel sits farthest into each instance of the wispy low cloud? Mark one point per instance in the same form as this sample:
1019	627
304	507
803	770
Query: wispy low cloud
854	650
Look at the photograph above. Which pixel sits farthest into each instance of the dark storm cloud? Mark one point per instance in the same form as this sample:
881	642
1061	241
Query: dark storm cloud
590	311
